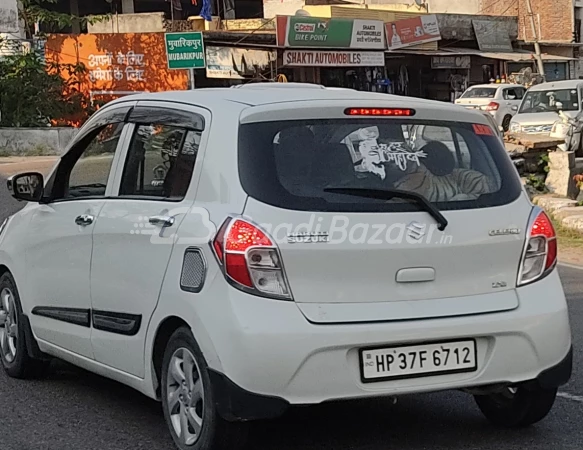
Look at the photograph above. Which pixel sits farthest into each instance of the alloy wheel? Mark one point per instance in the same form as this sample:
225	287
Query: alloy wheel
8	325
185	396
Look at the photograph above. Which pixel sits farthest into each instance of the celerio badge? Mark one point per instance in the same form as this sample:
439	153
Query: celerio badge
504	231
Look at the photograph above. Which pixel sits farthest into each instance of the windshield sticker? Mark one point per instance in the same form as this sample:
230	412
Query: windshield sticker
365	149
399	153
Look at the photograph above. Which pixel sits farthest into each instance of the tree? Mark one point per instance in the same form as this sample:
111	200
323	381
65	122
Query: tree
32	12
33	94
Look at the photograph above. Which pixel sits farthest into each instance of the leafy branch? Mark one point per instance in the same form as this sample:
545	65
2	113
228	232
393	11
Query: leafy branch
33	12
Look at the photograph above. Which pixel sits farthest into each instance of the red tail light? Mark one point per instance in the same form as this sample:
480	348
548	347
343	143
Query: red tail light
379	112
250	259
540	253
492	106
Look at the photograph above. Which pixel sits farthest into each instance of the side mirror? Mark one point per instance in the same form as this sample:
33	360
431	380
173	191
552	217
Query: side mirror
27	186
559	105
514	108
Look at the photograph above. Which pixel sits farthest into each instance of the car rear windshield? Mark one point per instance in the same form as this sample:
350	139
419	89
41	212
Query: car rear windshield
480	92
289	164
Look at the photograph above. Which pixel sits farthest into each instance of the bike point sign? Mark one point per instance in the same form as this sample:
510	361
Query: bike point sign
185	50
340	33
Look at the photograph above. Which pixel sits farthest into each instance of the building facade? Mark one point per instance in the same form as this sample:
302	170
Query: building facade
9	27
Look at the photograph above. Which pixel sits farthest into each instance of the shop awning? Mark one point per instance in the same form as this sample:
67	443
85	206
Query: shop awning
516	56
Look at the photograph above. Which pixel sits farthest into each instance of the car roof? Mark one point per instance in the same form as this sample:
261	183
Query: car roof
494	85
563	84
257	94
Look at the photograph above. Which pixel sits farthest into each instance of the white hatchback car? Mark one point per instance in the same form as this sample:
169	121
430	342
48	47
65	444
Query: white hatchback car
501	101
232	252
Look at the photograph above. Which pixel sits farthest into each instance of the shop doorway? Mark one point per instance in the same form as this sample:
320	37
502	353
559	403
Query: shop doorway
369	79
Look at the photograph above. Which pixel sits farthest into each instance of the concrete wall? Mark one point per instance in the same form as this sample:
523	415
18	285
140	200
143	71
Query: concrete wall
272	8
35	141
454	6
258	25
130	23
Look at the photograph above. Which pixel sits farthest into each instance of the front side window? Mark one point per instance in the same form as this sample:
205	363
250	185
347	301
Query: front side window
290	164
546	101
160	162
90	173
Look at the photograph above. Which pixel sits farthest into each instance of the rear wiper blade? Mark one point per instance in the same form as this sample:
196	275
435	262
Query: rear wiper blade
389	194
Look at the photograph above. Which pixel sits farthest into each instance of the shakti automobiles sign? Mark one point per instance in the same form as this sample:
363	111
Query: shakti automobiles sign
319	58
299	31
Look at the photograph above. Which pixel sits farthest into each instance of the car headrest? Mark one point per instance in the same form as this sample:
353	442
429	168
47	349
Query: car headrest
333	165
295	151
439	160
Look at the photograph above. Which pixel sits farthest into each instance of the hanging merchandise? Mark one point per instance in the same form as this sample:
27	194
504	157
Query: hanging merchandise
176	4
403	81
205	12
457	83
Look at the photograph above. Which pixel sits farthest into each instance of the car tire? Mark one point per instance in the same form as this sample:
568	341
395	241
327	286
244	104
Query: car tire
186	401
506	123
14	354
517	407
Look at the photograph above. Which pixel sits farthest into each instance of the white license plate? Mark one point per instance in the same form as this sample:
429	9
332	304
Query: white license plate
412	361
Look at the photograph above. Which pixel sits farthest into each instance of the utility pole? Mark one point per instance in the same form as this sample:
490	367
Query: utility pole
537	53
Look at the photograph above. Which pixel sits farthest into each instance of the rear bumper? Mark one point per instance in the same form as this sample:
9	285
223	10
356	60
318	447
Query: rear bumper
236	404
268	348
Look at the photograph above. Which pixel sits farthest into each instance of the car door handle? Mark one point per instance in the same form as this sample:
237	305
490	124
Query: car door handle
162	221
84	220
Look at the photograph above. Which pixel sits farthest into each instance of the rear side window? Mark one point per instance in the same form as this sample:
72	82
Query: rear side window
289	164
480	92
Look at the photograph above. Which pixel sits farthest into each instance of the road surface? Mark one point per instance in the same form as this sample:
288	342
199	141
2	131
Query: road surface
75	410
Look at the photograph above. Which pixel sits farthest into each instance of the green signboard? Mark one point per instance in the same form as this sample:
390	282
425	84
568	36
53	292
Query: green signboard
332	33
185	50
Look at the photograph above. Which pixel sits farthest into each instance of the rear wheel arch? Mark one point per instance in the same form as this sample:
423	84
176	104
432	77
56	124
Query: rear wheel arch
166	328
3	269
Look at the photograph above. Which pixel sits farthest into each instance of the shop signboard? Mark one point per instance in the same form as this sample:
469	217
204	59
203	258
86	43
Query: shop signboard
450	62
299	31
490	38
320	58
412	31
185	50
237	63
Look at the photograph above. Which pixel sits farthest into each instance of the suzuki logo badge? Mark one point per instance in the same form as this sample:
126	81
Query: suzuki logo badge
416	230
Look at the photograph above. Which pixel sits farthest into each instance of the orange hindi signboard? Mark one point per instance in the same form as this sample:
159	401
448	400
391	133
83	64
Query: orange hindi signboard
117	64
412	31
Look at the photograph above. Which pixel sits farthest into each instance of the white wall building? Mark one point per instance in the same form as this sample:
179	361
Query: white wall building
271	8
10	33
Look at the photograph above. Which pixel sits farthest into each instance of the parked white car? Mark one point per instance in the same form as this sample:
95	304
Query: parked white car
539	110
499	100
232	252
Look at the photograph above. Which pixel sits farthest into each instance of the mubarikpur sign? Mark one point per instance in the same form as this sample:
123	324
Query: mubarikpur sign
319	58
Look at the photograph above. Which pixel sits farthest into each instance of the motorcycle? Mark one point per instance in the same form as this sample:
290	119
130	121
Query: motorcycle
568	129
